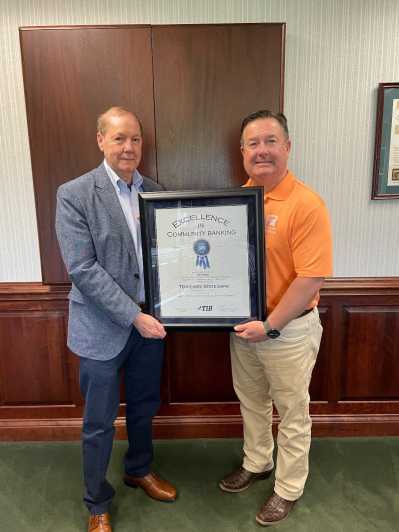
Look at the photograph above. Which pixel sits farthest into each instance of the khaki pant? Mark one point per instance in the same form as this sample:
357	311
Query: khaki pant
278	371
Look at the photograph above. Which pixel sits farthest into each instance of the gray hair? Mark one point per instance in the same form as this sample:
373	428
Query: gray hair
102	120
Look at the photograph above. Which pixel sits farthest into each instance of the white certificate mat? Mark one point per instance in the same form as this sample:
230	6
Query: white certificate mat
393	165
203	261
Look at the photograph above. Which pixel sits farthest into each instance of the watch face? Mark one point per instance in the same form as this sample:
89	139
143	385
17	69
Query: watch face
273	333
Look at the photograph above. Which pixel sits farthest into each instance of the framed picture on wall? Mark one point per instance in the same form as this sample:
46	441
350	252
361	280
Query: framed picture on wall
386	155
203	256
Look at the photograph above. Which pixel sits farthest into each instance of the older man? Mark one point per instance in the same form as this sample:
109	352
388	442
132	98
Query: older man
272	361
98	229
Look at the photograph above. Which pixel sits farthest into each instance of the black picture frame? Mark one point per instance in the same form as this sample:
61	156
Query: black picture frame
203	254
385	177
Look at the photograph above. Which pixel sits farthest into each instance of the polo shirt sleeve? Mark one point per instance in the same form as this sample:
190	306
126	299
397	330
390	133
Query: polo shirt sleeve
311	242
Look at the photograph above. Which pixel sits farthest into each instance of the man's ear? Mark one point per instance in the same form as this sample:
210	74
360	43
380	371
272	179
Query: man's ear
100	140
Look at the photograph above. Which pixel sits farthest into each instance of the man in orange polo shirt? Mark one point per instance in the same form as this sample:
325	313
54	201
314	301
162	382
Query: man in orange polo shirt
272	361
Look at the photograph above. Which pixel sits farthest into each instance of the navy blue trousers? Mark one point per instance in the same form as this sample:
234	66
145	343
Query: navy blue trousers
141	359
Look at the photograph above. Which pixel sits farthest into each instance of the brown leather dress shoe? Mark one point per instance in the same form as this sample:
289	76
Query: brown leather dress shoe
100	523
275	510
154	486
241	479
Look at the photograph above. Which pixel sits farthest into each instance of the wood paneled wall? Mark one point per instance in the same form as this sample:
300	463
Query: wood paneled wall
191	86
354	388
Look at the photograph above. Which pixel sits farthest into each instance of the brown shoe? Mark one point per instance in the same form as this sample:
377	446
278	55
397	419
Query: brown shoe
275	510
241	479
154	486
100	523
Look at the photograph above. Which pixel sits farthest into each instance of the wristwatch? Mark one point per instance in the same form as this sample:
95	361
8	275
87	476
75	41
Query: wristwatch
271	333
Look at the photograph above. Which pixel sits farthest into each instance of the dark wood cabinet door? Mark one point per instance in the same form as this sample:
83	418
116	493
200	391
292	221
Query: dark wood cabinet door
206	79
71	75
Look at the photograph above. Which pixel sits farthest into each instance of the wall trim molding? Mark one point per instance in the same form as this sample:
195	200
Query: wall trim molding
229	426
333	285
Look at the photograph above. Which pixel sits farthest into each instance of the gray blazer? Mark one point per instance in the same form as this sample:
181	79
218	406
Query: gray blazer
100	258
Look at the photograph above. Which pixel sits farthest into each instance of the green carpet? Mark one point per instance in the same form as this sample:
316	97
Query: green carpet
353	486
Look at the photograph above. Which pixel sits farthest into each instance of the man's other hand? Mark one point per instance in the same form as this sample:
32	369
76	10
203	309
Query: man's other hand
252	331
148	326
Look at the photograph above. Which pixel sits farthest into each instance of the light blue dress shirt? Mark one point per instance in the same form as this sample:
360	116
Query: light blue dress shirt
129	200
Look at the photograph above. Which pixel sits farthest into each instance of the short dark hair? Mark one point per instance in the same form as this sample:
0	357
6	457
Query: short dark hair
265	113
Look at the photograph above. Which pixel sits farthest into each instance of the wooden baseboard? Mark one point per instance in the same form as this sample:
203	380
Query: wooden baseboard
180	427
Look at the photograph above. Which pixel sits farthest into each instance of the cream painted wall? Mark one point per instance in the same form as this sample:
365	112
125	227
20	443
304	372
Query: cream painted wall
337	51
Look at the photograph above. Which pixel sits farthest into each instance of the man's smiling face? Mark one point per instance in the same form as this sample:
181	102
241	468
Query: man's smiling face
122	143
265	149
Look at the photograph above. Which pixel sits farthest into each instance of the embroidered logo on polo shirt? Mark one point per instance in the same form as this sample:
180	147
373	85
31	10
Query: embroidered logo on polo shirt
271	223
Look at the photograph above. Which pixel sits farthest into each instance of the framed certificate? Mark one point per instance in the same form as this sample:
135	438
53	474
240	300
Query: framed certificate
203	254
386	154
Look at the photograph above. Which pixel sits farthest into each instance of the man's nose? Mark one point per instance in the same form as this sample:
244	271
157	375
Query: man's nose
262	147
128	145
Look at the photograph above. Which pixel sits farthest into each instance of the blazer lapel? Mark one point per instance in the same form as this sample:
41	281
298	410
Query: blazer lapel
111	204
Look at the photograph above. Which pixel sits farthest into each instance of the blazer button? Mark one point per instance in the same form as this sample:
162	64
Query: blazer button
137	276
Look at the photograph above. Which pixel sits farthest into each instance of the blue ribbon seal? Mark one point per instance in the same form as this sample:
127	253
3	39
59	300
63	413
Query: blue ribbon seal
201	248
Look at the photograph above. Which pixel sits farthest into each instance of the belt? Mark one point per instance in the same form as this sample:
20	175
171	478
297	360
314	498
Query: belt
307	311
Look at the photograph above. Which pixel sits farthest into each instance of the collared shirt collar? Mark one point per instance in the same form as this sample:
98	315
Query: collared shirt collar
119	183
281	191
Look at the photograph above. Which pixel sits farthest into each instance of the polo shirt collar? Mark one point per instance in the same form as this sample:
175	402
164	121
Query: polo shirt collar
282	190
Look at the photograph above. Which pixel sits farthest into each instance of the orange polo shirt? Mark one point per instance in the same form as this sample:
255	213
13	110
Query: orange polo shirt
297	237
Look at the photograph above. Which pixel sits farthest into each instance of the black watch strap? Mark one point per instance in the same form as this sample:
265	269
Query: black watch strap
271	333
